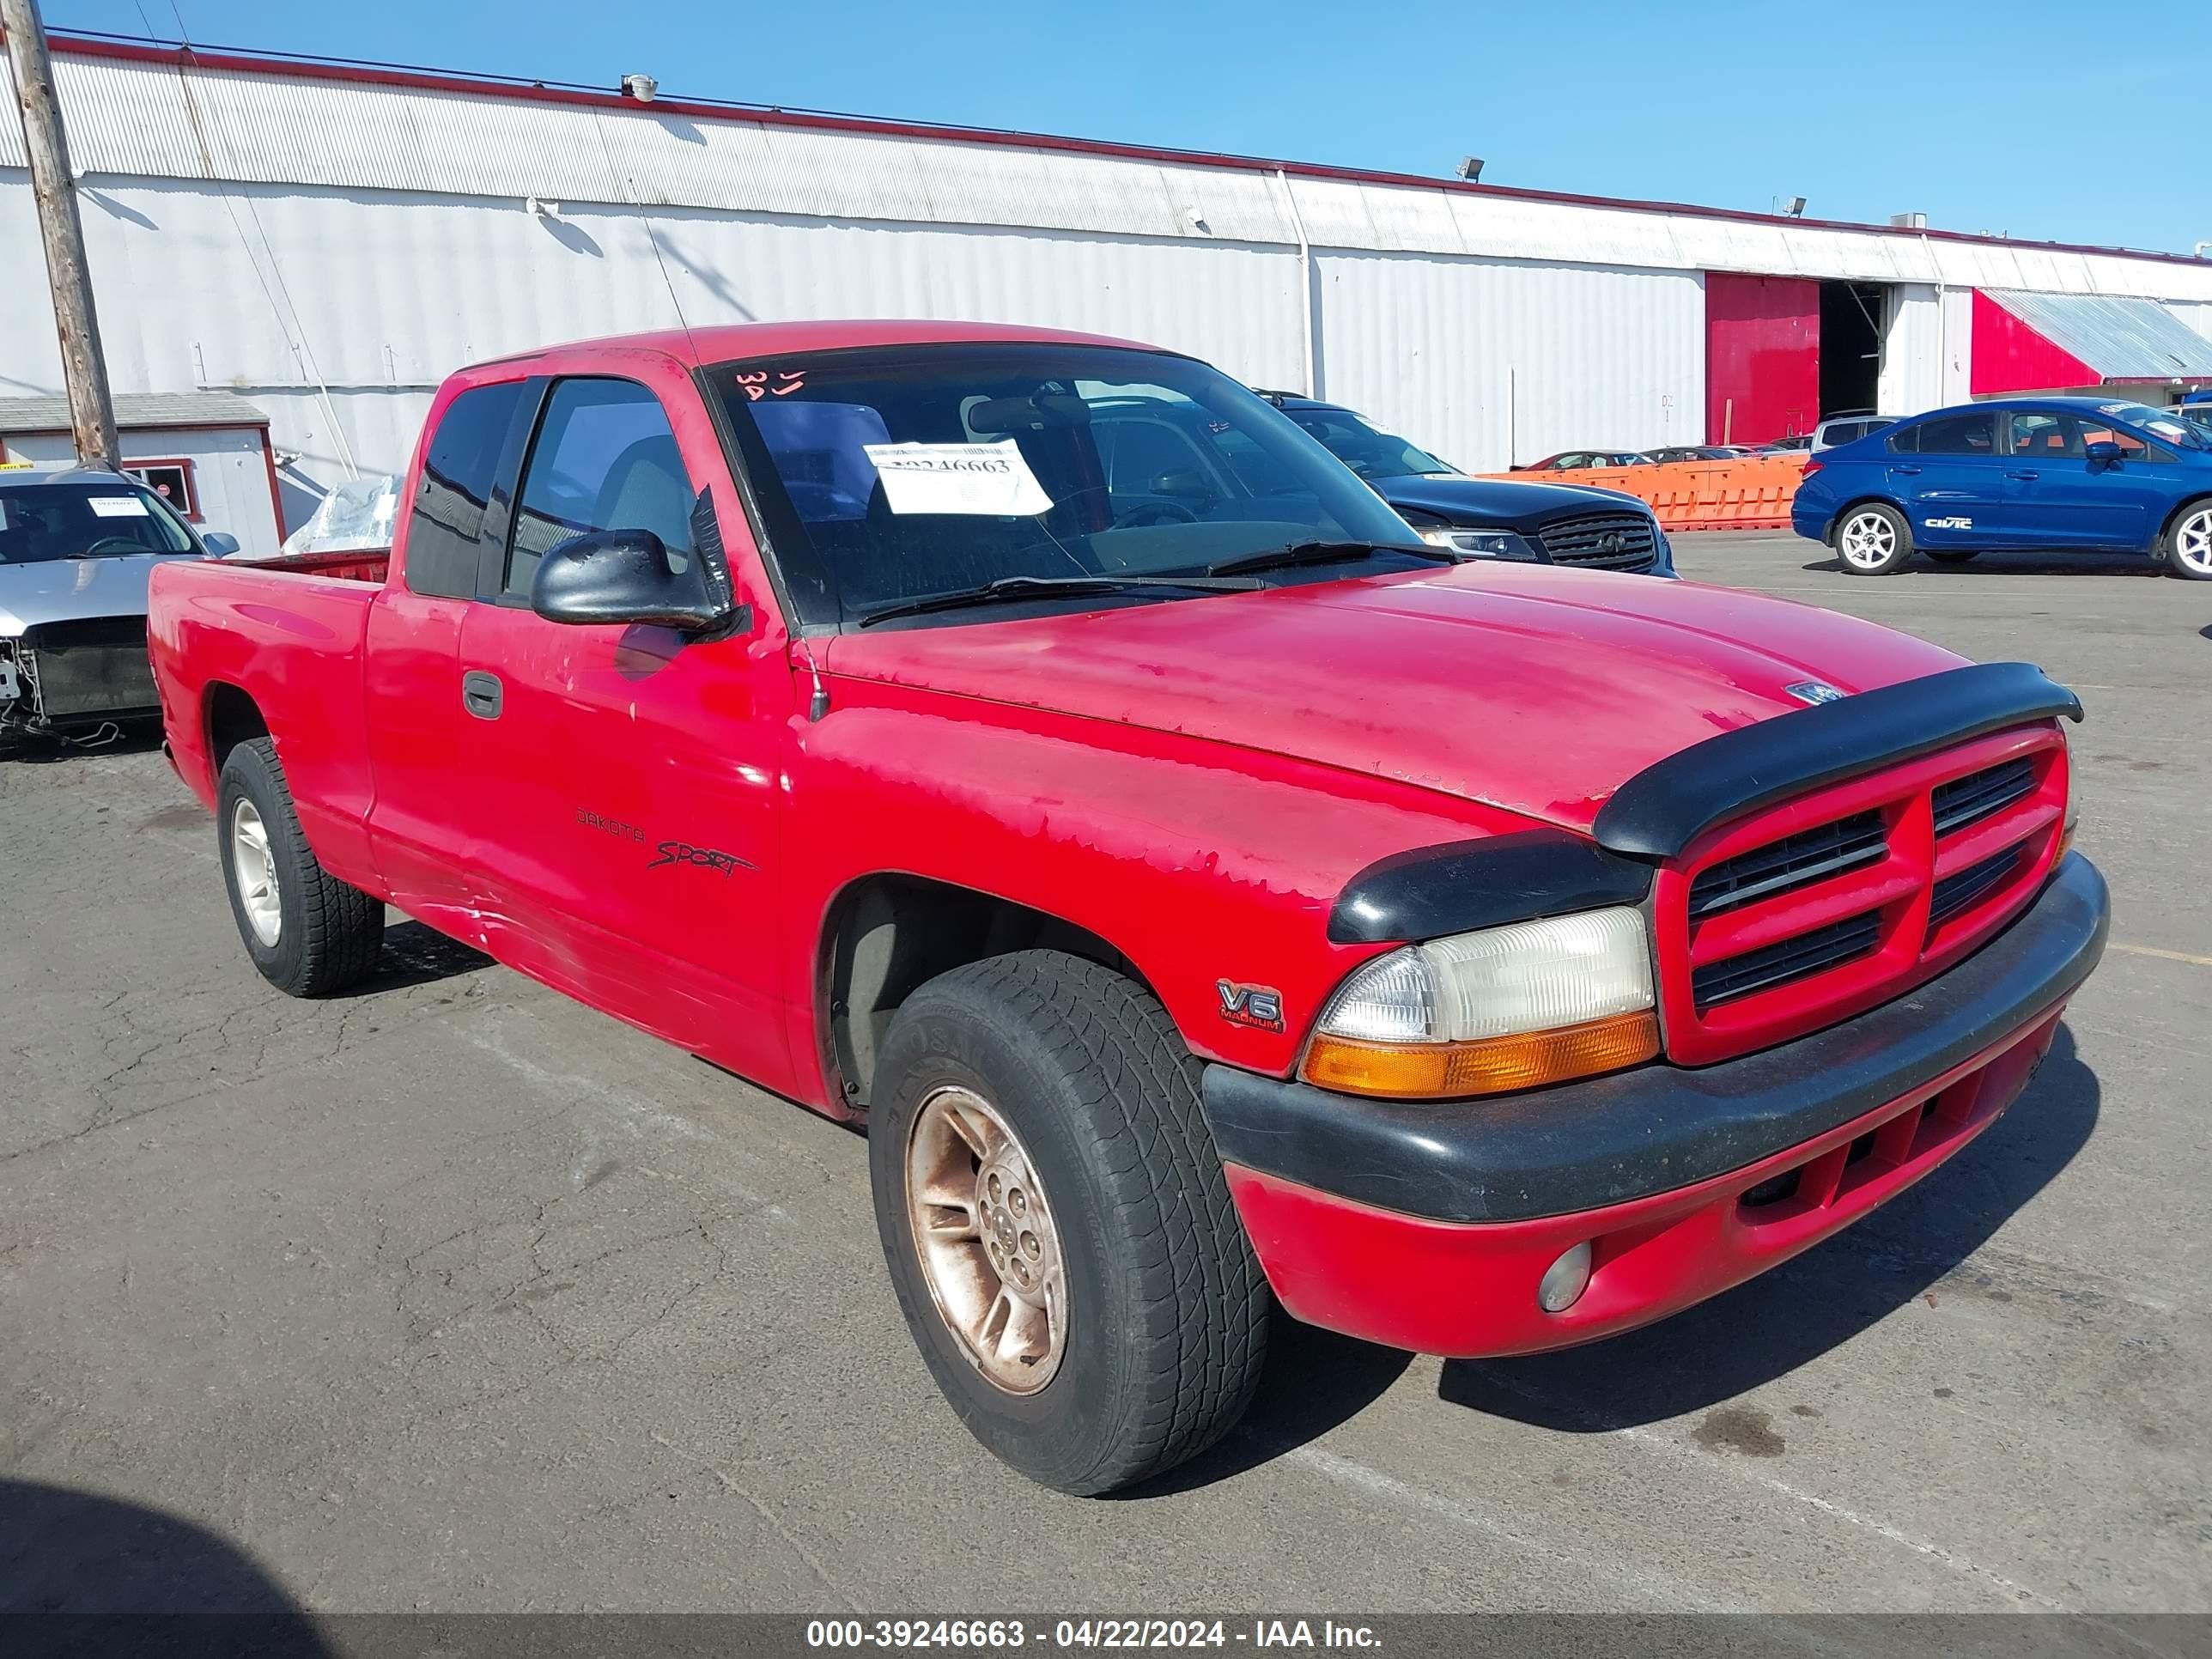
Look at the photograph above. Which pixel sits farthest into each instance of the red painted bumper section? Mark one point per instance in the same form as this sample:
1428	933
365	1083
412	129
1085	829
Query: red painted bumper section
1469	1290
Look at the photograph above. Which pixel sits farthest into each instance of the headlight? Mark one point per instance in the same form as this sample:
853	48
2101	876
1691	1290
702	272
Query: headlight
1506	1008
1480	543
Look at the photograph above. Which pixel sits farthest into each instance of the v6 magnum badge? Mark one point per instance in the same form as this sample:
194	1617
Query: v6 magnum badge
1257	1006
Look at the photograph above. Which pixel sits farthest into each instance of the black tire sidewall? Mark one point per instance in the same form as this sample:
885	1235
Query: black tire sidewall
1897	522
247	775
1062	1434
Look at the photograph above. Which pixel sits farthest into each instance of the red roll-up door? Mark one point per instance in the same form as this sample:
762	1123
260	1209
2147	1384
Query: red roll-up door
1762	357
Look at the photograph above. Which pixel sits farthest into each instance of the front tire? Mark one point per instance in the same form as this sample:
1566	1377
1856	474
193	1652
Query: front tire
309	934
2188	547
1873	539
1058	1227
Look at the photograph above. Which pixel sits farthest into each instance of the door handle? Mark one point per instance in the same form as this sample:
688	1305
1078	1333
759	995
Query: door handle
481	694
2020	474
1909	471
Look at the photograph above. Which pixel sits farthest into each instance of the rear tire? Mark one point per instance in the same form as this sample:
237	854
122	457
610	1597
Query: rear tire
2188	545
1872	539
1953	554
309	934
1089	1109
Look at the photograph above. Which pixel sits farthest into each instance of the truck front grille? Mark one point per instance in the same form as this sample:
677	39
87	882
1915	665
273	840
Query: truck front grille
1813	909
1600	541
1794	861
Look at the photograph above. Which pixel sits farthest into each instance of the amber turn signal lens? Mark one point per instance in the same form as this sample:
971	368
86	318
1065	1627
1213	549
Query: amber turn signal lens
1489	1065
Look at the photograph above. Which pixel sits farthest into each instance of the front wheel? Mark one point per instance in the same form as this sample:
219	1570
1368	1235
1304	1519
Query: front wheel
1057	1223
2189	542
1873	540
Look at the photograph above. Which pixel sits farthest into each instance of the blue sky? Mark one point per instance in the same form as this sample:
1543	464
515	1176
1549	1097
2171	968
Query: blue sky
2064	122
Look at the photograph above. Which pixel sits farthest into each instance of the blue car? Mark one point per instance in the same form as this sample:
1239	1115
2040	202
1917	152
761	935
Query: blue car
2077	473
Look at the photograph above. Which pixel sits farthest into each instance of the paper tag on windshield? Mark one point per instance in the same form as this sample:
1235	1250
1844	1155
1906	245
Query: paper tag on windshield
982	480
117	506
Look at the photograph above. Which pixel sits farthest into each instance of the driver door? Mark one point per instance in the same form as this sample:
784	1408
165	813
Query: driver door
620	792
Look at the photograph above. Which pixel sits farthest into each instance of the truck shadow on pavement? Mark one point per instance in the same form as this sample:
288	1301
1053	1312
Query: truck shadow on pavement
81	1573
1762	1330
415	953
1313	1380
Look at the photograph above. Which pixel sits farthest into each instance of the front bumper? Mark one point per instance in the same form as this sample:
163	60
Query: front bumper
1428	1226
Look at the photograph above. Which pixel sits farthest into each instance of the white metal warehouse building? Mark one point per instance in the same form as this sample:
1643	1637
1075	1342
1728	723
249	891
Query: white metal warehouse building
329	240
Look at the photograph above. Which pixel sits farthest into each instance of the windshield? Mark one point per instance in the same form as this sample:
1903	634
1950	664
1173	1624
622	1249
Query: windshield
889	474
84	518
1368	450
2162	424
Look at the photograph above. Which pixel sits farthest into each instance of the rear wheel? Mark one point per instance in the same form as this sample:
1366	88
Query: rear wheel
1057	1223
308	932
1872	539
1953	554
2189	542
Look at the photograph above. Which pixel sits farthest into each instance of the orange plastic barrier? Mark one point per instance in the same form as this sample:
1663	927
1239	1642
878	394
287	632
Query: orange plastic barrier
1753	494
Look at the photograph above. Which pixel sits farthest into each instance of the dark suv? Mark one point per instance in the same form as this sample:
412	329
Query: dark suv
1488	518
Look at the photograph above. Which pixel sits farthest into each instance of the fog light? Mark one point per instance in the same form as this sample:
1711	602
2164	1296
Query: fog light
1565	1279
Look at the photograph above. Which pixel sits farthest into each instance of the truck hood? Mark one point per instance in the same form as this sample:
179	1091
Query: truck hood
1532	689
72	590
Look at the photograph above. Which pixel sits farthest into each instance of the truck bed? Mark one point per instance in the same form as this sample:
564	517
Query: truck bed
288	634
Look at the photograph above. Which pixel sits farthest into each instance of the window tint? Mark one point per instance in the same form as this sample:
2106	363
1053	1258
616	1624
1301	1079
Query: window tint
605	459
43	522
456	481
2036	436
1905	443
1960	435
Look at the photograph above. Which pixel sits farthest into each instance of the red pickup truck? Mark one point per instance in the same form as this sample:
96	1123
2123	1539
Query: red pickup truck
1214	902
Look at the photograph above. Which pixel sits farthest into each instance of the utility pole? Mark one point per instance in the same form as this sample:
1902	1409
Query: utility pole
84	365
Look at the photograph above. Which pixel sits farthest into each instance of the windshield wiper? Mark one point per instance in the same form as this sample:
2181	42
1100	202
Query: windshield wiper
1009	589
1319	552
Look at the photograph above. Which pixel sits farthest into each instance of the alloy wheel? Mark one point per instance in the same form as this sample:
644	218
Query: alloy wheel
1868	541
988	1246
253	863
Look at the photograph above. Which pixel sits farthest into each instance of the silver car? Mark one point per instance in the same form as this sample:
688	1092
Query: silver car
76	549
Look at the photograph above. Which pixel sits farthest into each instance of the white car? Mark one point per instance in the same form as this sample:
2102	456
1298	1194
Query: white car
1846	429
76	549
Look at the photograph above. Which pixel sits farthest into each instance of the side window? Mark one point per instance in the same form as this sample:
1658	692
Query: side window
456	481
1905	443
2037	435
1960	435
605	459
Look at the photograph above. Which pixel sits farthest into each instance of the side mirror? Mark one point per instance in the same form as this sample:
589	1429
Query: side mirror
625	577
219	543
2104	452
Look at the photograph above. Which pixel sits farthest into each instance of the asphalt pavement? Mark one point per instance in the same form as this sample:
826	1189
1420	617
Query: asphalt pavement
454	1295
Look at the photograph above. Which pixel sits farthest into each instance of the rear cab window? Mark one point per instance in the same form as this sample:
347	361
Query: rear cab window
459	471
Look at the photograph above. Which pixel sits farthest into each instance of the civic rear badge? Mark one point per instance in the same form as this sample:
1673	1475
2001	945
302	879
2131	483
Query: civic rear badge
1816	692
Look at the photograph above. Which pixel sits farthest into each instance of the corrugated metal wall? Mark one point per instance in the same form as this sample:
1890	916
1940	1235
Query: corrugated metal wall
335	248
1490	362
